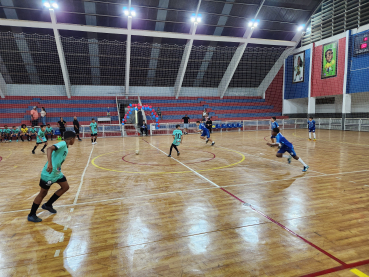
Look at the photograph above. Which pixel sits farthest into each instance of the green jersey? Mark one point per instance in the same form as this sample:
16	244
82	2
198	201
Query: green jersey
16	131
177	137
57	158
32	130
7	131
49	130
42	135
93	128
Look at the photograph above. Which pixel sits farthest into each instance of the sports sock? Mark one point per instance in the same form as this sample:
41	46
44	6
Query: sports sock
92	140
34	148
44	147
286	156
309	135
175	147
170	151
21	138
95	139
52	200
34	208
301	161
314	135
78	136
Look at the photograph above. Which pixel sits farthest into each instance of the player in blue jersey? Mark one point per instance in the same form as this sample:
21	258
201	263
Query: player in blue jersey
286	146
205	132
50	174
273	124
311	126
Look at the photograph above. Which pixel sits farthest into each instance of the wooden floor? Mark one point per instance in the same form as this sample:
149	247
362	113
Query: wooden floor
229	210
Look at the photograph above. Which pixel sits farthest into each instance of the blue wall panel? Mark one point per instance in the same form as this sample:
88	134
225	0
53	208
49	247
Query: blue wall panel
358	69
296	90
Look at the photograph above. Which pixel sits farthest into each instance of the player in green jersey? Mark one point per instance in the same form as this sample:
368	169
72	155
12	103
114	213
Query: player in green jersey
50	174
49	131
177	139
6	133
40	139
93	127
15	134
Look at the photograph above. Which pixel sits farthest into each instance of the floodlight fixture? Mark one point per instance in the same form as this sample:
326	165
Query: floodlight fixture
301	27
133	13
55	5
253	23
308	30
193	17
198	19
47	4
125	11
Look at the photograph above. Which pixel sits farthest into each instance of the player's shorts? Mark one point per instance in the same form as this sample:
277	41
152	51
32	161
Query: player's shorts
185	125
41	142
205	133
94	135
312	130
290	150
47	185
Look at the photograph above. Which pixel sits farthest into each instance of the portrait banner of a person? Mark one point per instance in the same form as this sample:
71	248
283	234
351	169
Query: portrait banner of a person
329	63
298	67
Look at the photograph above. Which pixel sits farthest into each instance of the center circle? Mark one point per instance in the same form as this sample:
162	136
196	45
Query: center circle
203	161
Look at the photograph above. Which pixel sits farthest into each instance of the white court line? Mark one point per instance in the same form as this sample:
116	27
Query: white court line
179	191
83	175
198	174
57	252
274	161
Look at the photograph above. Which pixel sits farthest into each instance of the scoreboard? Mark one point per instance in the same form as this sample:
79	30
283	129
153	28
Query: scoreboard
361	44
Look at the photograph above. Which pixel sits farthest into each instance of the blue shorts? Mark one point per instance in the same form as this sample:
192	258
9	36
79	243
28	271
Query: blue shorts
312	130
290	150
185	125
205	133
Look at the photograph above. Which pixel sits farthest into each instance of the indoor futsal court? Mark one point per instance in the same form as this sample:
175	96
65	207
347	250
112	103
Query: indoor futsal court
171	138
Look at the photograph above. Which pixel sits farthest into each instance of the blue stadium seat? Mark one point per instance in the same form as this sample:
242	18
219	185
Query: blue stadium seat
224	125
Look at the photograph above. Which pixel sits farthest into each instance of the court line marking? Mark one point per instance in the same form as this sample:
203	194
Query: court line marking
259	212
179	191
198	174
83	175
57	252
247	154
358	272
165	172
337	268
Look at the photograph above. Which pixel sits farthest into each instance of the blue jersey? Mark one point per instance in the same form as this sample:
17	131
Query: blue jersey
275	125
311	124
202	127
283	141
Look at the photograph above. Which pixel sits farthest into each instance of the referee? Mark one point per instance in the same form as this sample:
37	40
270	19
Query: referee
76	127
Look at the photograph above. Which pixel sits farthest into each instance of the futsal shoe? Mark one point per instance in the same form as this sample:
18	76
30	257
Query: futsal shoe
33	152
169	156
42	150
49	208
178	153
213	144
34	218
305	168
314	139
289	160
309	138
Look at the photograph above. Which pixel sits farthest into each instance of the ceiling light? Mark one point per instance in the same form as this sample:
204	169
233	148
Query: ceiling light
55	5
193	17
47	4
133	13
125	11
301	27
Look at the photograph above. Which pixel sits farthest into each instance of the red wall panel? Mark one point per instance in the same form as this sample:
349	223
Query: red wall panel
329	86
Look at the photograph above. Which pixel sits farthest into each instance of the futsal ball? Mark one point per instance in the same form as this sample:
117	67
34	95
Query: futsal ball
137	152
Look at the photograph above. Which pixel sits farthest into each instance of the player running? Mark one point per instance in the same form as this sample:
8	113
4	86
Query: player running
40	139
205	132
177	140
51	173
311	126
286	146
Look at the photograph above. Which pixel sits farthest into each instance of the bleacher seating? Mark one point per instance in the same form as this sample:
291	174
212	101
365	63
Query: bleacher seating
228	108
16	109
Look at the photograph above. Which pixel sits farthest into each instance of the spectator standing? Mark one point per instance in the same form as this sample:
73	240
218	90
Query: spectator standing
209	124
62	125
186	122
76	127
34	116
204	114
144	128
159	113
43	116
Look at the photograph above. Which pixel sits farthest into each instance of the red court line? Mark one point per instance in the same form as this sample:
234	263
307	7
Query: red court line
288	230
338	268
1	159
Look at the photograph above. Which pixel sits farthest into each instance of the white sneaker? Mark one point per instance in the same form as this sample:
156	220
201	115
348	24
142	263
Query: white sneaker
95	142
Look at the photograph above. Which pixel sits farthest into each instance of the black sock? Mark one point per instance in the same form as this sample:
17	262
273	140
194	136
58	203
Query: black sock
34	209
175	147
170	151
22	138
78	136
95	139
44	147
92	140
52	200
34	148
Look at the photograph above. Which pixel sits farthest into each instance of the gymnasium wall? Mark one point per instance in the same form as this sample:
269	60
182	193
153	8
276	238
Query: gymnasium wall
297	90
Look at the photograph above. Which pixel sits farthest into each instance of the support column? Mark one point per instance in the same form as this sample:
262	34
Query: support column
128	53
184	62
311	100
62	61
346	101
2	86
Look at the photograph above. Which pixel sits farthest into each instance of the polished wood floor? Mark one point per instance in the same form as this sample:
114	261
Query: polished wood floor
229	210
